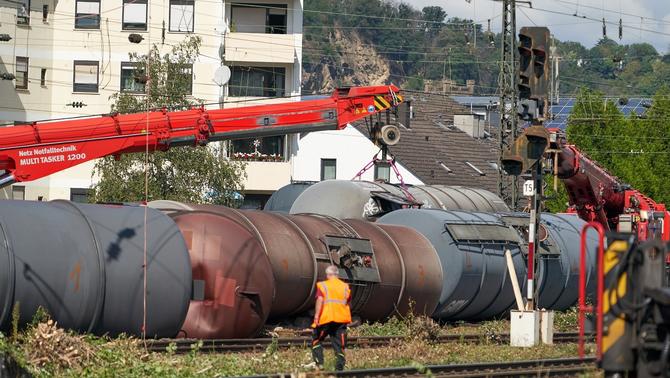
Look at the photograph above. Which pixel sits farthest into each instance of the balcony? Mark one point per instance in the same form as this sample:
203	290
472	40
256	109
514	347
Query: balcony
260	47
264	176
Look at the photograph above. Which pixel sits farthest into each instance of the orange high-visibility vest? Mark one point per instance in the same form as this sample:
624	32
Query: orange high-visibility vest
335	307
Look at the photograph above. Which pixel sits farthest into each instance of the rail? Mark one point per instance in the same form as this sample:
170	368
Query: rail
261	344
564	367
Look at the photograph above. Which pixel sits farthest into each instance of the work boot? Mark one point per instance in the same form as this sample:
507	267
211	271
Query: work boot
339	365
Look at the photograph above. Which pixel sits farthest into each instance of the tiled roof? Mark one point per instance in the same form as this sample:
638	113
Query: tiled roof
440	154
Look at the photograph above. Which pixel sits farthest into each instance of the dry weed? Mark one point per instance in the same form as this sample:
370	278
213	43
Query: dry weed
46	345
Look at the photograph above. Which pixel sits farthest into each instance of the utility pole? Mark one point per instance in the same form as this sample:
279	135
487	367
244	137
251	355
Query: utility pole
508	186
554	92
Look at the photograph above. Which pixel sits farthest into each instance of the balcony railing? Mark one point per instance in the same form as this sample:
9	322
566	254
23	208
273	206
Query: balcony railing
243	156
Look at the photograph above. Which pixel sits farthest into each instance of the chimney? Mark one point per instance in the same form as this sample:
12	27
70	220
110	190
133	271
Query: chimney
470	85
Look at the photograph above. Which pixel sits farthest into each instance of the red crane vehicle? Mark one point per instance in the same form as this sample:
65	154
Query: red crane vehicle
35	150
632	304
598	196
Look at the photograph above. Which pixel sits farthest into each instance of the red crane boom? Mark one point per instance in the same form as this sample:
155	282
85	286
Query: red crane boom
32	151
596	195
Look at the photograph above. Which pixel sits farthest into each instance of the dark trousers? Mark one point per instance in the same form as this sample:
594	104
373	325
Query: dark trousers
338	336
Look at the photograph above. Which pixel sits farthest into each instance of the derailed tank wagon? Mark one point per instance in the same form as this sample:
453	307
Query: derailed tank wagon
216	272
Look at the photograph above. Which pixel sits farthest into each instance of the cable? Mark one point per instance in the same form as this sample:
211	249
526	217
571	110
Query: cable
591	18
611	11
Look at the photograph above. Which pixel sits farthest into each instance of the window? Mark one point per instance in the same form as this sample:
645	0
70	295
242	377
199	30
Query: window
21	72
79	195
134	15
132	77
43	77
328	169
259	18
276	23
181	76
23	12
260	149
181	15
85	76
45	13
257	82
87	14
18	193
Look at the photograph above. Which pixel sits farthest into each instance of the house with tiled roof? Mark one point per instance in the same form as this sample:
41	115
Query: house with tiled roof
444	143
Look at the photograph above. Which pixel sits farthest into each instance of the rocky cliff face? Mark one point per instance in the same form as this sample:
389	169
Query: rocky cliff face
348	62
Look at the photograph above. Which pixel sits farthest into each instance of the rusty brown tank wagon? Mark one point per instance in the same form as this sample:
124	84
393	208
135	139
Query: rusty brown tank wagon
388	266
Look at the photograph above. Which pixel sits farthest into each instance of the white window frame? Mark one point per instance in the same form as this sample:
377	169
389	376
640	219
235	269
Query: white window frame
135	26
189	24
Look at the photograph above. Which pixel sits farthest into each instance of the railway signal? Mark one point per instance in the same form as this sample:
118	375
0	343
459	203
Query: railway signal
533	74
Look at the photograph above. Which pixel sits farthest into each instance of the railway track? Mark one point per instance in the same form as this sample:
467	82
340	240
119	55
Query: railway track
564	367
261	344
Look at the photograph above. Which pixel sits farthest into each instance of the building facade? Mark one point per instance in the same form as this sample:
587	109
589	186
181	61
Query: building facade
341	155
444	144
76	52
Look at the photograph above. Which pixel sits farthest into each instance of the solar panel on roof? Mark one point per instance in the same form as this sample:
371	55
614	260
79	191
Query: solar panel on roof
561	111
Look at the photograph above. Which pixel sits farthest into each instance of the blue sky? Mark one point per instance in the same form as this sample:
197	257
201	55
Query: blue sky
653	15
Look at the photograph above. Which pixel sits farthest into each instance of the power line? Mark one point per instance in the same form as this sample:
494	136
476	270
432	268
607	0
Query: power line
594	19
612	11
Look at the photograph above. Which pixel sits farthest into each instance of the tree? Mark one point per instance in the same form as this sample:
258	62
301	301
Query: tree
189	174
633	149
557	200
434	17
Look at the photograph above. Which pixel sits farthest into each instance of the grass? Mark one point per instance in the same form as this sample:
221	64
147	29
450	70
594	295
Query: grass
126	357
564	321
47	351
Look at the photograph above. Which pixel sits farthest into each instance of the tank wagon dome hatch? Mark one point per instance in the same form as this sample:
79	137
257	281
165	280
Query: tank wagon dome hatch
371	200
83	264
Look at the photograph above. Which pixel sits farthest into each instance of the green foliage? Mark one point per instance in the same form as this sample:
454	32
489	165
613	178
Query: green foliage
557	200
444	48
40	316
198	175
392	327
410	326
633	149
566	321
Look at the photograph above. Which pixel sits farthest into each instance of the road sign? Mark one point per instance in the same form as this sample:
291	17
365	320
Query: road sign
529	188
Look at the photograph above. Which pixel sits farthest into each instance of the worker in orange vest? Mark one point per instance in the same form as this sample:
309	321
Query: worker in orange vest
331	316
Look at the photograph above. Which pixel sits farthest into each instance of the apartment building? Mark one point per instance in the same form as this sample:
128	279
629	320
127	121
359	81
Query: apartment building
263	48
77	51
